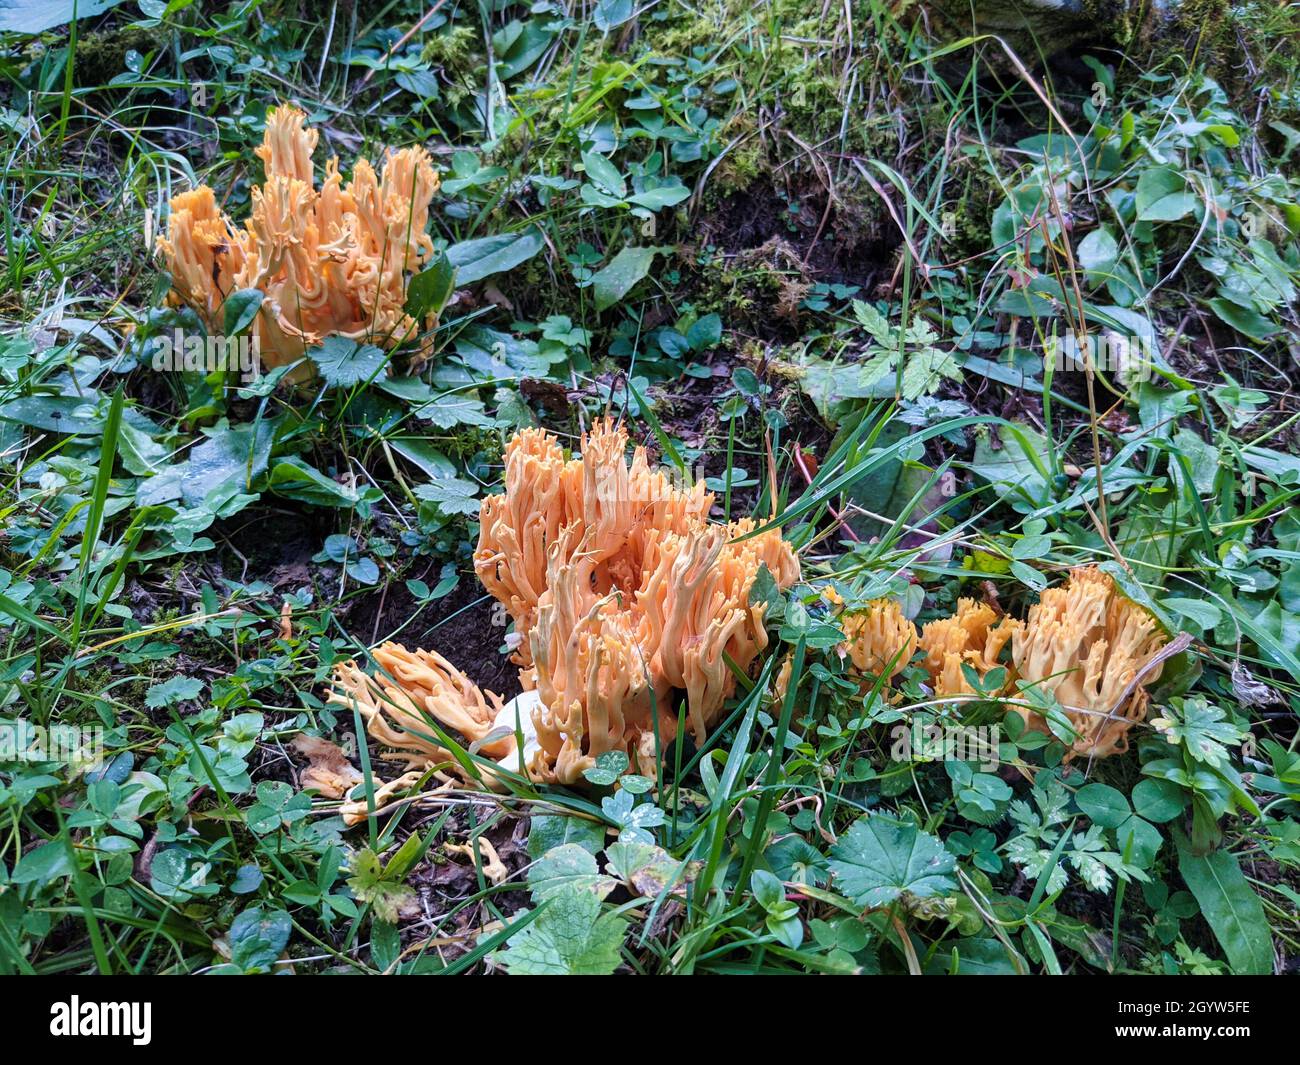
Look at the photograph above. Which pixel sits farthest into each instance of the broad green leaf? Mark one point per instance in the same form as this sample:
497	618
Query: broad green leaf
604	174
240	309
705	333
447	411
1201	611
1155	183
520	44
55	414
450	495
1158	800
616	279
1232	910
1140	840
973	957
37	16
1103	804
477	259
258	937
610	13
1018	466
422	453
344	363
878	860
141	454
1098	250
1251	323
645	868
232	455
663	196
1169	208
42	864
570	937
430	289
548	831
567	865
175	690
293	477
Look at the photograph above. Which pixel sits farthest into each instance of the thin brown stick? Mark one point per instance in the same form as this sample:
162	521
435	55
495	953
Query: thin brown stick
798	460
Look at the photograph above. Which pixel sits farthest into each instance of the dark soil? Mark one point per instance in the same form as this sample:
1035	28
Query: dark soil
274	545
848	244
459	627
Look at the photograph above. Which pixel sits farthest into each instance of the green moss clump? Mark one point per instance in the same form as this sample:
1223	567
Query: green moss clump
101	55
459	52
973	195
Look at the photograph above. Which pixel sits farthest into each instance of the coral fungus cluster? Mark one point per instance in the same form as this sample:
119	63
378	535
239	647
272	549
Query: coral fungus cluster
1083	643
973	636
332	261
624	596
1094	650
627	602
879	639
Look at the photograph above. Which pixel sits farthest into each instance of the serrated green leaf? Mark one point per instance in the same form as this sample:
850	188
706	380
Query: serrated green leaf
878	860
170	692
343	363
567	865
570	937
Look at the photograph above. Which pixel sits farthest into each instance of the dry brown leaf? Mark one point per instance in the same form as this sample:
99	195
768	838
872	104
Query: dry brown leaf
329	772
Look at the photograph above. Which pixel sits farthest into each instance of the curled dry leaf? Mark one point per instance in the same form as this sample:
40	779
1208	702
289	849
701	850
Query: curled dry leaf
328	771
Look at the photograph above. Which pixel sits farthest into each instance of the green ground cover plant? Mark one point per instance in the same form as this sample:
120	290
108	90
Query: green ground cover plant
957	313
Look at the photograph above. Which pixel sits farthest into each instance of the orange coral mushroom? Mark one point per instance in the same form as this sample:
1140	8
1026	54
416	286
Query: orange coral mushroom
879	639
395	703
973	635
332	262
623	593
1088	645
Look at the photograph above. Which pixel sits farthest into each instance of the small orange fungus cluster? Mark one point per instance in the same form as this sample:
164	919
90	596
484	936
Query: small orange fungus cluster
1091	648
1084	642
330	261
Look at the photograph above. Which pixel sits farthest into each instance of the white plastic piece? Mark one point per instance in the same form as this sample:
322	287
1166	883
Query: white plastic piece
518	713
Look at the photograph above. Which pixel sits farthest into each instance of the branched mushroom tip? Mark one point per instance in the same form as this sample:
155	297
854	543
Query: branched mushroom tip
973	636
625	595
332	261
1086	644
879	639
